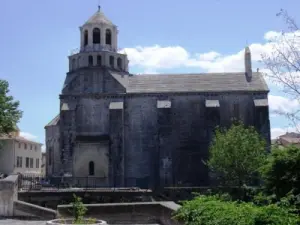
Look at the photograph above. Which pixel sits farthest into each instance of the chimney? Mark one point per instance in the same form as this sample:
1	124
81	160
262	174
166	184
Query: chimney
248	66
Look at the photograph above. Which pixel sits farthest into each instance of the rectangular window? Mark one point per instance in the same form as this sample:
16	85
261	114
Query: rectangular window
35	148
37	163
25	146
19	145
236	111
31	162
19	161
27	162
30	147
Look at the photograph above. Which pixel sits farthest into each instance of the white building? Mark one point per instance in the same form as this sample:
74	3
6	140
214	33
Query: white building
19	155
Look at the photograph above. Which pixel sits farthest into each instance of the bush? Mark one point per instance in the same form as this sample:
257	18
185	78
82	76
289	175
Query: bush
281	172
235	154
213	210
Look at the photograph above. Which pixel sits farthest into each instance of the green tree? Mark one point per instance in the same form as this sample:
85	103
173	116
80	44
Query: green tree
236	154
214	210
9	112
281	172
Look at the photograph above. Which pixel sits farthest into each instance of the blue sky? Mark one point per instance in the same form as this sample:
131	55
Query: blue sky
37	36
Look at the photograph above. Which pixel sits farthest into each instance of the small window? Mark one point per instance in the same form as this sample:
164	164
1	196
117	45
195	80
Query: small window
91	168
86	38
111	61
19	161
73	64
35	148
99	63
19	145
119	63
25	146
31	162
30	147
37	163
91	60
27	162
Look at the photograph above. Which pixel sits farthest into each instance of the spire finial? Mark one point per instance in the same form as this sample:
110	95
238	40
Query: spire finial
99	7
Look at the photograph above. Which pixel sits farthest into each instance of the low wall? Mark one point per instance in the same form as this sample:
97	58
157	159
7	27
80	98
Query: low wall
30	210
8	194
128	213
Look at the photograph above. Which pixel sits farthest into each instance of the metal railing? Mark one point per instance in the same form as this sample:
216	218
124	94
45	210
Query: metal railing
33	182
95	48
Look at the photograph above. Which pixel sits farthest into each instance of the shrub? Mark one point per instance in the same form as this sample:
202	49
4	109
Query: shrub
235	155
281	172
213	210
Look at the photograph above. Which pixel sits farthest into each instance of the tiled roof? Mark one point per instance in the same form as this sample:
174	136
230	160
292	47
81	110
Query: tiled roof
206	82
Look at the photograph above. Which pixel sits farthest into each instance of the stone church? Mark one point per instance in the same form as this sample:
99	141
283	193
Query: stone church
144	130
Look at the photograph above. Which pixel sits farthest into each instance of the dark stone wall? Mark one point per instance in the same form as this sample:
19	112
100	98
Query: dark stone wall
116	159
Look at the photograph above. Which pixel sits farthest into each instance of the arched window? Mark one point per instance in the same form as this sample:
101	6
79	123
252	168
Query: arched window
111	61
91	168
119	63
91	60
86	38
108	37
96	36
99	60
73	64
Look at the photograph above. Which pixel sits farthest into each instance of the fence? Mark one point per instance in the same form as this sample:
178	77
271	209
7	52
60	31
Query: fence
33	182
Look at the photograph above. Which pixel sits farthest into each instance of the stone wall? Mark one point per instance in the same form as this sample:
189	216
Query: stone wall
8	194
151	146
128	213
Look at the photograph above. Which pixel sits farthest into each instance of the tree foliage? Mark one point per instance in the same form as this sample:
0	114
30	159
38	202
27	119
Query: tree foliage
236	154
281	172
9	112
283	64
213	210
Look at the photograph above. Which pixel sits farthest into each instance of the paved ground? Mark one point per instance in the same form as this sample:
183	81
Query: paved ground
20	222
23	222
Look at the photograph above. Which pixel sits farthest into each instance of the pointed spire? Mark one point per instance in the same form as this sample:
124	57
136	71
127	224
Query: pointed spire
99	17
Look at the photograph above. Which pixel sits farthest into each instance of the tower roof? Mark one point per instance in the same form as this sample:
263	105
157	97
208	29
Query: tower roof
99	17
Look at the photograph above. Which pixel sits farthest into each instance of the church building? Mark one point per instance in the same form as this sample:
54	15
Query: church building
144	130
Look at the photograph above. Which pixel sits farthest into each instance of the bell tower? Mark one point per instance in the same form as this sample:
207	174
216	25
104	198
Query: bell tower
98	46
99	33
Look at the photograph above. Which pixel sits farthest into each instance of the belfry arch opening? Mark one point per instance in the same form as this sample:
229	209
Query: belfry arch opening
86	38
91	168
108	37
96	36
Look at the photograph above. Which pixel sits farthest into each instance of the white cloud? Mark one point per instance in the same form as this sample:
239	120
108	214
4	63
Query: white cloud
158	57
276	132
28	136
43	148
282	104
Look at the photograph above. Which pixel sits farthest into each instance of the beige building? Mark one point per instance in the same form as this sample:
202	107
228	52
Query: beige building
19	155
43	164
287	139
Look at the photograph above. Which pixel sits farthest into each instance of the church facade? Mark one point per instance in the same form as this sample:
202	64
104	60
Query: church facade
144	130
